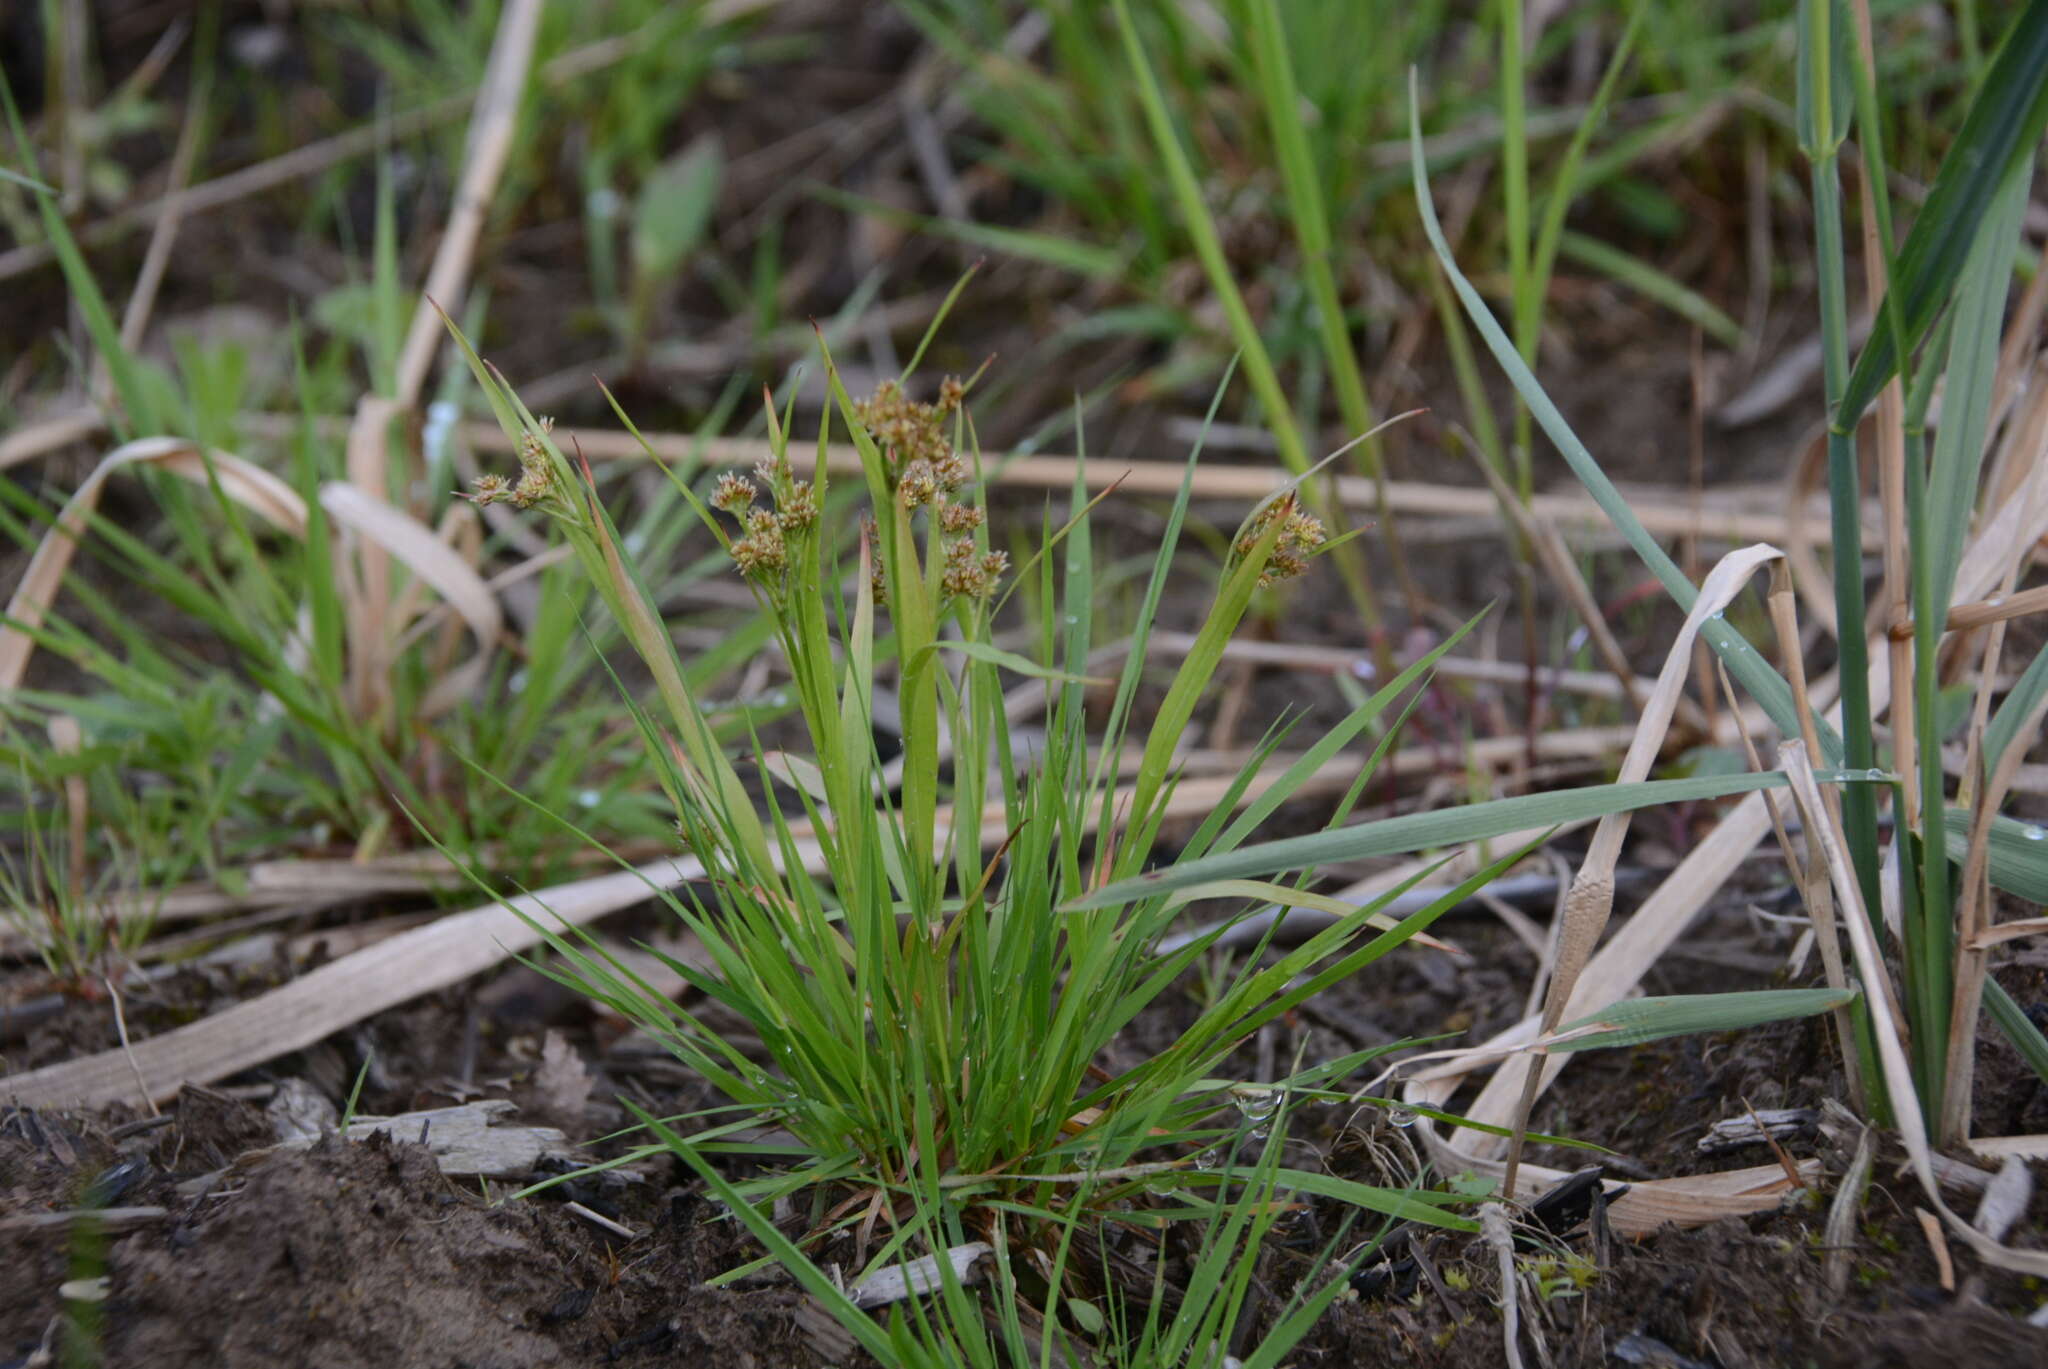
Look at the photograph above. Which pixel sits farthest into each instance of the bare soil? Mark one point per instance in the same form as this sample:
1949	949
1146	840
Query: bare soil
364	1254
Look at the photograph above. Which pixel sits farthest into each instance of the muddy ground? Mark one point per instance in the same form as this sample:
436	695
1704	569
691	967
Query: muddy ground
364	1253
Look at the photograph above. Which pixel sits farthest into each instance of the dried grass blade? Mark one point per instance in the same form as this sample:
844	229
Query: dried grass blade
1888	1020
437	564
244	482
1591	899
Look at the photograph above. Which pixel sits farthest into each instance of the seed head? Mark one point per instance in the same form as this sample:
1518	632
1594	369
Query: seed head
970	573
533	453
487	489
1300	534
958	518
734	494
917	485
762	552
798	507
906	431
533	486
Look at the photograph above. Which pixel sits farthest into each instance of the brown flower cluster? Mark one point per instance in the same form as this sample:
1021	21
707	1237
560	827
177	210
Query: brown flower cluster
536	475
908	432
764	552
1300	534
927	473
971	572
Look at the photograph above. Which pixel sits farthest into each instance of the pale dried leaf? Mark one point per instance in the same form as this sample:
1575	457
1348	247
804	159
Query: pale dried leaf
249	485
409	541
562	1083
2005	1198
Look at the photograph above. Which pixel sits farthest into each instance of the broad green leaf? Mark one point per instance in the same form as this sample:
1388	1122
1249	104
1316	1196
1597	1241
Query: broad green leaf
2016	710
1636	1020
2001	131
2019	853
674	208
1951	494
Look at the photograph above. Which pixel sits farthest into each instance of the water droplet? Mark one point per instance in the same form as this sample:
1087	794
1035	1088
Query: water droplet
1402	1117
589	798
1209	1158
602	203
2032	833
1073	620
636	542
517	684
1363	669
1257	1105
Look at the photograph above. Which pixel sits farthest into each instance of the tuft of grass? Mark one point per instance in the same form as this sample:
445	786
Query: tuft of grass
935	1007
339	718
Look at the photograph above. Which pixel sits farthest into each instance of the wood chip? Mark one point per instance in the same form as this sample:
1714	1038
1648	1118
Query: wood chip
473	1140
918	1276
107	1218
1930	1227
1733	1133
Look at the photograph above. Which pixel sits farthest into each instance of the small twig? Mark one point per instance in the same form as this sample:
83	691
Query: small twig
121	1027
1495	1230
106	1218
1839	1236
619	1229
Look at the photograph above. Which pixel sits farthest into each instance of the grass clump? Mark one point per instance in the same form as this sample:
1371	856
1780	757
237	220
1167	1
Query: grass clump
934	1015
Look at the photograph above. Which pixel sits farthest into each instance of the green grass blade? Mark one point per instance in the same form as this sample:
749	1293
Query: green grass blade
2019	1028
2017	710
1966	397
1200	226
1308	213
815	1281
1420	831
1393	1202
1764	684
1653	285
1634	1021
